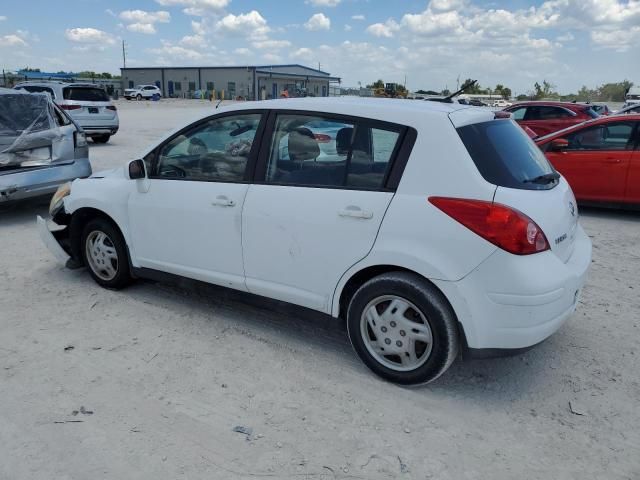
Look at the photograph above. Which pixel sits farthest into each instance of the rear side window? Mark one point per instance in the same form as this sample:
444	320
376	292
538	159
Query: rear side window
547	113
506	156
85	94
322	151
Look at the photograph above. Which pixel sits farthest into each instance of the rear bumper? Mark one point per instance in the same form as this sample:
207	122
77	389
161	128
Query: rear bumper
515	302
36	182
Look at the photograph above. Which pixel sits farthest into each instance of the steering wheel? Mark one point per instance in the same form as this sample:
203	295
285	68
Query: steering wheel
172	171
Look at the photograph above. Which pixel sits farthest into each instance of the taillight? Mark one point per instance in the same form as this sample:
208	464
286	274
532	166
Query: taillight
70	107
503	226
111	107
322	138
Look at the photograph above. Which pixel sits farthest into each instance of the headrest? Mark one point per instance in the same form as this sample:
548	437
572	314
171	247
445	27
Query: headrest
303	145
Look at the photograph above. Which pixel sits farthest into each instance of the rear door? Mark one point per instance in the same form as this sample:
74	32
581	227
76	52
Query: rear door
544	119
597	160
320	194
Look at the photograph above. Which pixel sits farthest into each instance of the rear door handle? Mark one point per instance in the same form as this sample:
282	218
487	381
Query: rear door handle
355	212
223	201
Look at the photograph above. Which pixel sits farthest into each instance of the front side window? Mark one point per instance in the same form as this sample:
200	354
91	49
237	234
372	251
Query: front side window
546	113
216	150
518	113
611	136
319	151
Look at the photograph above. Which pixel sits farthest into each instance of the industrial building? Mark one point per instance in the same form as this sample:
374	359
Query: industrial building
247	82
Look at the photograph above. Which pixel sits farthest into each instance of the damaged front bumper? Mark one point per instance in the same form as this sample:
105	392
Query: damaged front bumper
56	237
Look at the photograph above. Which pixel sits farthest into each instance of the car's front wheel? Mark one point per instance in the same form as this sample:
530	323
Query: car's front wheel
105	254
138	97
403	328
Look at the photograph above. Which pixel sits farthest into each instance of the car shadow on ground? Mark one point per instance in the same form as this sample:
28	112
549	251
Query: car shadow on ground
23	212
610	213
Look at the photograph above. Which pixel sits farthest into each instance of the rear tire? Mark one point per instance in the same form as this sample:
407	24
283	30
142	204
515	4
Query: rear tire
105	254
138	97
101	139
403	328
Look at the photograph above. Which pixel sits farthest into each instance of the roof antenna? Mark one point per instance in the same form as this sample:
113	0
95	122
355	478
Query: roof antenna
218	104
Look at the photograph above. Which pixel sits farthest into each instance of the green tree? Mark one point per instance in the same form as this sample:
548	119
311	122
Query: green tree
546	90
376	84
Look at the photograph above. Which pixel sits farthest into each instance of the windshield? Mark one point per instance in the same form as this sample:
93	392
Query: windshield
85	94
506	156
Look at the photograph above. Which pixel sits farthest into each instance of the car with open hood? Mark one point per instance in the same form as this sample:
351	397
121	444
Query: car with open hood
40	146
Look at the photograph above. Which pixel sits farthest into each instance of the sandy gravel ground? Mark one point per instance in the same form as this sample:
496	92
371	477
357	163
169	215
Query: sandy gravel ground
167	372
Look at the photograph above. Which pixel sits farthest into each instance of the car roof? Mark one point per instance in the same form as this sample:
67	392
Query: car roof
596	121
12	91
543	103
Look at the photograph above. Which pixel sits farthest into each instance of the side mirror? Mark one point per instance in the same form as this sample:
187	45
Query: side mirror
136	169
559	144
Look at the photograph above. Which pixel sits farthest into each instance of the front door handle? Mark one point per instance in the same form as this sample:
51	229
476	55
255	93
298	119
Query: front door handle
223	201
355	212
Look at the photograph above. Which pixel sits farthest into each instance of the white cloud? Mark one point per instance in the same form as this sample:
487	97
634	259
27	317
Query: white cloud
446	5
176	52
141	21
88	35
252	24
271	44
358	17
12	40
567	37
385	29
196	7
318	21
303	53
324	3
242	51
347	28
2	18
194	41
272	58
620	40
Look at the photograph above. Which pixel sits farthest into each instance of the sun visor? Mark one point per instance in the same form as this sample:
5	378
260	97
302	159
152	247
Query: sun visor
28	129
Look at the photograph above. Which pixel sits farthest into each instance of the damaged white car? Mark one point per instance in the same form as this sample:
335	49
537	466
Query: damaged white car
41	148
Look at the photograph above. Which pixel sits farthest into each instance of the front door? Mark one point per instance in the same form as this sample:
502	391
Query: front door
170	85
596	161
316	205
632	193
188	221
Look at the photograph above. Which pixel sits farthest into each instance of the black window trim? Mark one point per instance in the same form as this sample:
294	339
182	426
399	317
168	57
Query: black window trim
398	161
632	145
251	160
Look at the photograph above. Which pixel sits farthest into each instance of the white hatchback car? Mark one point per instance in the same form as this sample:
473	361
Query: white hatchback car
430	229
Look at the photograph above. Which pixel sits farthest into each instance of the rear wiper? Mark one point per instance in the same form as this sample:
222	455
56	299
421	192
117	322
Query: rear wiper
543	179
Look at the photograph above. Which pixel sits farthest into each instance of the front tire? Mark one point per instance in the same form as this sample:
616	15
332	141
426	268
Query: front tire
138	97
403	328
105	254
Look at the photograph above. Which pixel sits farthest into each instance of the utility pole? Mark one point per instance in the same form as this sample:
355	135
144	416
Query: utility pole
458	83
318	66
124	56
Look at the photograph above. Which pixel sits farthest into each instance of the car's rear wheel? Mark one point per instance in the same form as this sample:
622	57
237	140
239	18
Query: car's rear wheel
105	254
138	97
403	328
101	138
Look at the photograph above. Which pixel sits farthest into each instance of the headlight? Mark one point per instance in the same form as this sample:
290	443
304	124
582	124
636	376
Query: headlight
58	198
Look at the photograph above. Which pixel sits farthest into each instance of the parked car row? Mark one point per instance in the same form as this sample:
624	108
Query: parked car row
88	105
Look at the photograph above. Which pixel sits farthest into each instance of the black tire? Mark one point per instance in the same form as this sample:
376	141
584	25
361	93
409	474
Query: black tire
101	139
122	275
138	97
436	312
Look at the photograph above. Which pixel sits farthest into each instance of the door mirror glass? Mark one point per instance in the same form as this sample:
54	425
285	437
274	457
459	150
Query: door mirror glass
136	169
559	144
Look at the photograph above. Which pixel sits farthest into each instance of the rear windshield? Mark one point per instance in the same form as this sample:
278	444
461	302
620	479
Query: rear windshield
20	112
85	94
506	156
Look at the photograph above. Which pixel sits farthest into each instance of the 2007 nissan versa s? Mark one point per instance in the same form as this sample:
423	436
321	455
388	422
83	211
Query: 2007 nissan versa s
428	227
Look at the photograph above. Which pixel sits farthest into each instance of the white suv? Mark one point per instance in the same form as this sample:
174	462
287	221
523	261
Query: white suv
142	92
428	227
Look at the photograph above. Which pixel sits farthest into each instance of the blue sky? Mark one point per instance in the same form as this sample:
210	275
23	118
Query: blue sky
567	42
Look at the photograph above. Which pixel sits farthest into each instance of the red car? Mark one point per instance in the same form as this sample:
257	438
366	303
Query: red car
548	117
600	159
